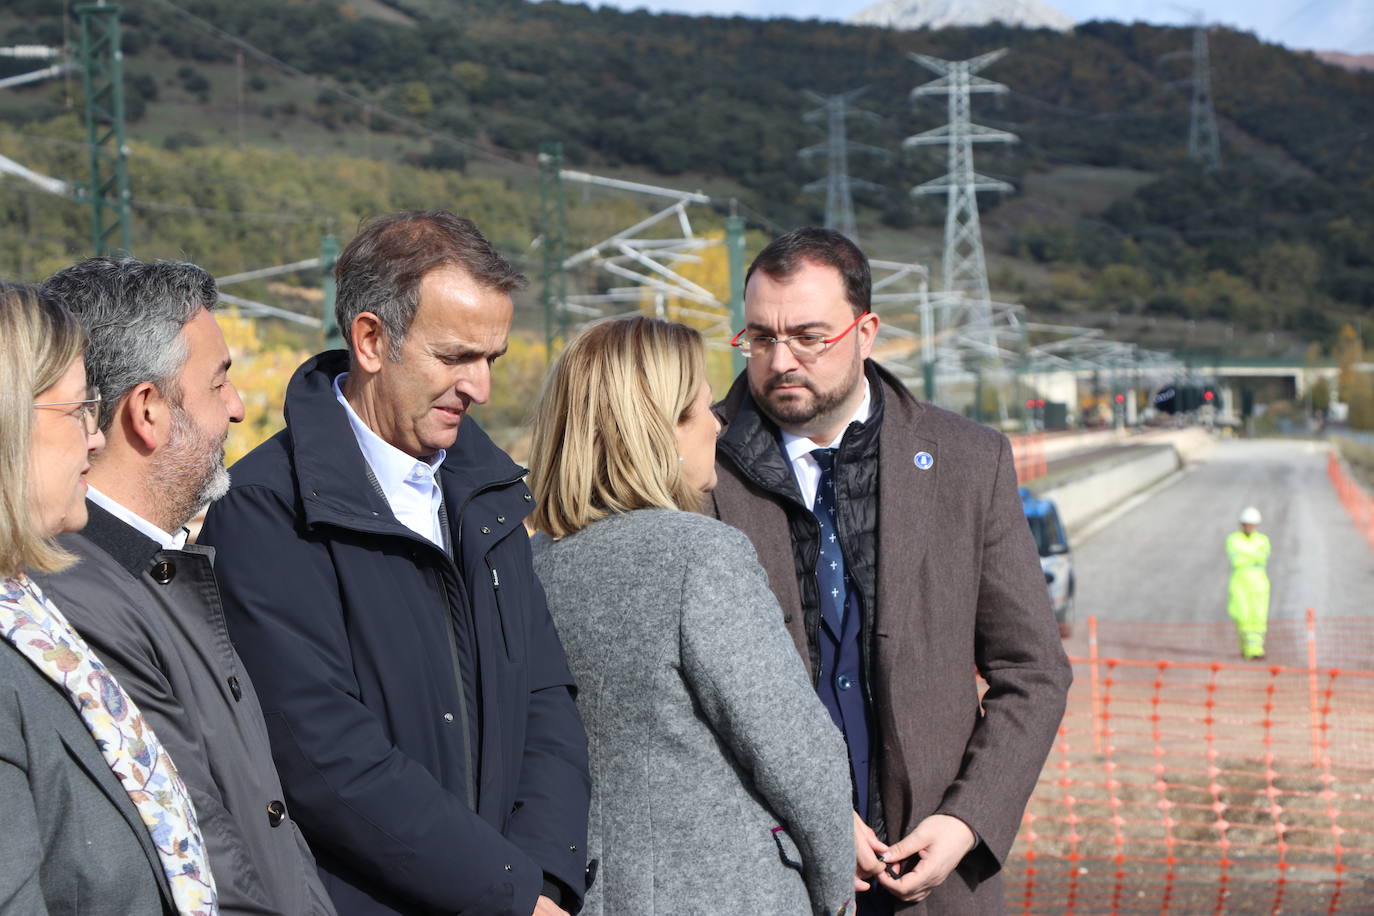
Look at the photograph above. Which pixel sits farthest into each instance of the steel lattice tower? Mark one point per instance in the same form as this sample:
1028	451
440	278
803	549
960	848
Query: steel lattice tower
1204	143
839	201
964	268
103	83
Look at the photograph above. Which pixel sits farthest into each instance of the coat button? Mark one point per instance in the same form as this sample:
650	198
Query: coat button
529	498
572	848
235	688
163	571
509	868
448	717
486	530
500	519
844	682
276	813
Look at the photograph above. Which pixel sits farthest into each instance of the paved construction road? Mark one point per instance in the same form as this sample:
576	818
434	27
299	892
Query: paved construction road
1160	570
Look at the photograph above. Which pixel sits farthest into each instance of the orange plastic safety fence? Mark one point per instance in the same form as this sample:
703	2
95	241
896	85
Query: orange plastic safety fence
1356	500
1028	450
1327	642
1203	788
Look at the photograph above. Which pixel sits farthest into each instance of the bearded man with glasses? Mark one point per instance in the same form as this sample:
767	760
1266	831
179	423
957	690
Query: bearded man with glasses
894	539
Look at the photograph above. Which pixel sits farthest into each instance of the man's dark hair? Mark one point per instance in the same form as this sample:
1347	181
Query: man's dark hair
380	270
785	255
133	312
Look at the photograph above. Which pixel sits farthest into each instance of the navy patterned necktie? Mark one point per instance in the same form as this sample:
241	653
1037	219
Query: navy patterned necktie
830	574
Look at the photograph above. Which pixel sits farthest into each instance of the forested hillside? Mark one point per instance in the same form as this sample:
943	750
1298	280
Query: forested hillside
1110	217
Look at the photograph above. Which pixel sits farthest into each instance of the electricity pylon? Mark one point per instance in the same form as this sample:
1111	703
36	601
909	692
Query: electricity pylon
839	201
103	83
1204	144
964	268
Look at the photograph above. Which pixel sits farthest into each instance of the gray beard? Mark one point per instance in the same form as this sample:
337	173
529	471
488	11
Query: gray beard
189	472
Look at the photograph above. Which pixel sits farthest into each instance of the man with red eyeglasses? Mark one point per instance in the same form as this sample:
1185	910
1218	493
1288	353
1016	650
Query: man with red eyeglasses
894	539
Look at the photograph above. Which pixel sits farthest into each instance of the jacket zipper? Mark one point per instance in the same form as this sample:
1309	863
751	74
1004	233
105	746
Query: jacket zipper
456	536
463	699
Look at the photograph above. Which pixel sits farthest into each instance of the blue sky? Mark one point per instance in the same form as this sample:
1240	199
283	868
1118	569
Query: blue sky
1338	25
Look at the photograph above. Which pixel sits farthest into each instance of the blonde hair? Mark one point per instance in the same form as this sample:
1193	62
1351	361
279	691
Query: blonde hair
40	340
604	437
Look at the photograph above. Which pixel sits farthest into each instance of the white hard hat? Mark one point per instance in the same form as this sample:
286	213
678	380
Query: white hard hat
1249	516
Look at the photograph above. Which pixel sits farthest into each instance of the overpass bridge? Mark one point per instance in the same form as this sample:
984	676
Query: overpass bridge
1125	393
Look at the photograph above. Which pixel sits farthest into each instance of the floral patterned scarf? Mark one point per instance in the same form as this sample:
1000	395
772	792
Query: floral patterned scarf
38	630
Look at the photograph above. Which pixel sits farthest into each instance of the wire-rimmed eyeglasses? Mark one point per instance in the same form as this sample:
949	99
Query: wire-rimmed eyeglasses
804	347
88	410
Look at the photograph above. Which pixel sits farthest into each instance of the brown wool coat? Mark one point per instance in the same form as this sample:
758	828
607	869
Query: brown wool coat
959	588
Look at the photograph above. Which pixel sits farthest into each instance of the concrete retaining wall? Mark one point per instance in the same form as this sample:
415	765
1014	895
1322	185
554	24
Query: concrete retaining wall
1163	453
1082	500
1059	444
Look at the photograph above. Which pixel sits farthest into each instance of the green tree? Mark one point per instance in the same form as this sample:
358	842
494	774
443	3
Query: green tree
1123	285
416	99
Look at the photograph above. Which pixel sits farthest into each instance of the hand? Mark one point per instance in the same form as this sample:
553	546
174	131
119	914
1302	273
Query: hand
546	907
941	842
867	848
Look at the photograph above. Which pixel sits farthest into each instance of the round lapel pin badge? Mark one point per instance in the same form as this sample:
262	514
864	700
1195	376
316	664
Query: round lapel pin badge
924	460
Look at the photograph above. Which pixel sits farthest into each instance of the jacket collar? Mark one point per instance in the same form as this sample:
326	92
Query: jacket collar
752	441
129	547
329	466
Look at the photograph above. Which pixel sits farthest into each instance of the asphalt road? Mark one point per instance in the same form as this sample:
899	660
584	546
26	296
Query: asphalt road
1163	562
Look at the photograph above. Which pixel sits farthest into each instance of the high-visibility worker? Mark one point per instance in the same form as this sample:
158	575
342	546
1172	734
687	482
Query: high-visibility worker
1248	591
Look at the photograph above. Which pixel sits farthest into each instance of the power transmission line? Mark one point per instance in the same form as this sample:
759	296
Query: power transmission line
964	267
1204	144
838	185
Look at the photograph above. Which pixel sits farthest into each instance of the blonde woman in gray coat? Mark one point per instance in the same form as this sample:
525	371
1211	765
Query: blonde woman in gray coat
719	784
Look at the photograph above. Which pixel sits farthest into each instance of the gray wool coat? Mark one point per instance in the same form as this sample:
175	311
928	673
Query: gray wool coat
705	734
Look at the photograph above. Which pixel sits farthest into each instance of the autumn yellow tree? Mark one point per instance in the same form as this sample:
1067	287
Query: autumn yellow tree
711	271
260	374
1356	387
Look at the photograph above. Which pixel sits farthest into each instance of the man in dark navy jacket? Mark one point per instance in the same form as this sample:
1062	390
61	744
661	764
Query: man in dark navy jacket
378	584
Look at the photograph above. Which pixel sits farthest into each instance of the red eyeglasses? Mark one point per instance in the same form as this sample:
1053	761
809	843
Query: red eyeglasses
805	347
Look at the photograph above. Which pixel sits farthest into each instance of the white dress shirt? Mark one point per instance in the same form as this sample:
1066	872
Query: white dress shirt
139	523
798	450
409	484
